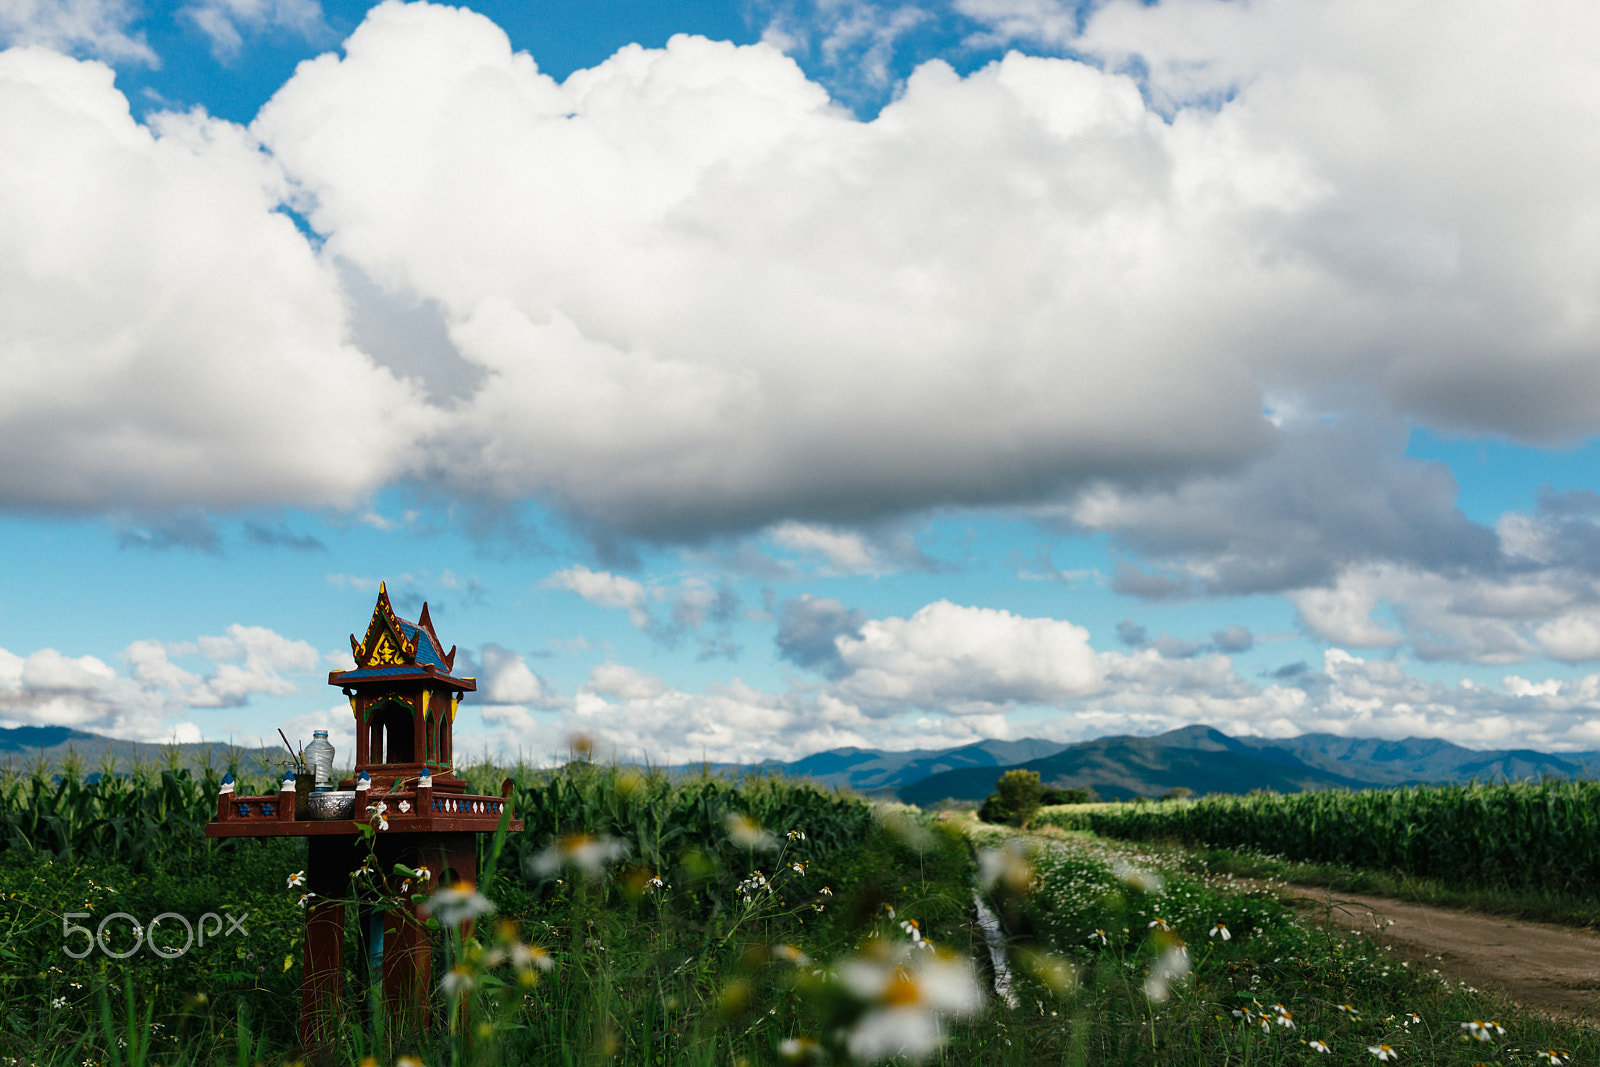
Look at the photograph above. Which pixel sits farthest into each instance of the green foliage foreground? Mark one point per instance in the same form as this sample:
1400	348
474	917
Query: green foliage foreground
1122	957
643	919
640	918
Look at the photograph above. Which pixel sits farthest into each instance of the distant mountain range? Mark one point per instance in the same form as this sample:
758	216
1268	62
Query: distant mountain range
1198	758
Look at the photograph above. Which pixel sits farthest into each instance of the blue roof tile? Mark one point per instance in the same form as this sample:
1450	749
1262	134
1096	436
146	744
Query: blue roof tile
427	651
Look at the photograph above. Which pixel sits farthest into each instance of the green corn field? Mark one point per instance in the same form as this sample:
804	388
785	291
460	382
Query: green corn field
147	818
1544	834
658	816
687	945
150	817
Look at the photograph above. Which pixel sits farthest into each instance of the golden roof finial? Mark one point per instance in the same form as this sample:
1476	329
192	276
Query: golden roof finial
386	643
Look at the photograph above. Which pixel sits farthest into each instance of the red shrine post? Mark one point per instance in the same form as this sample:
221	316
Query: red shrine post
404	699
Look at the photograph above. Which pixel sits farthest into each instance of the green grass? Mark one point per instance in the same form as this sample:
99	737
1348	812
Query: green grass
694	971
1570	902
824	963
1111	910
51	1000
1535	903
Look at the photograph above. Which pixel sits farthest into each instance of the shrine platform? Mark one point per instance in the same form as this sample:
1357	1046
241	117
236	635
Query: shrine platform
428	811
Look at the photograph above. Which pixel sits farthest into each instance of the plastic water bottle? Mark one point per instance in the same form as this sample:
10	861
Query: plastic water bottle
319	754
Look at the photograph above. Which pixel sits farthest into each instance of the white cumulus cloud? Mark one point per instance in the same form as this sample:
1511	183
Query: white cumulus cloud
167	337
147	702
225	22
965	659
687	294
618	680
703	297
604	589
506	678
102	29
665	351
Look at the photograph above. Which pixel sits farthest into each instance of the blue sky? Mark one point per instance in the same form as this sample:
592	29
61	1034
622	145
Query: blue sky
744	380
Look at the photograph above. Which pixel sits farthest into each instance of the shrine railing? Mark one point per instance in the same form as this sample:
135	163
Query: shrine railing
468	805
400	808
241	807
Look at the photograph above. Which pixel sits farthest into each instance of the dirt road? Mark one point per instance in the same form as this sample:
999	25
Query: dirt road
1542	967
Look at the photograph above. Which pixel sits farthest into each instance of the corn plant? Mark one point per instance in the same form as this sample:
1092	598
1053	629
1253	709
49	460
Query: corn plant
1544	834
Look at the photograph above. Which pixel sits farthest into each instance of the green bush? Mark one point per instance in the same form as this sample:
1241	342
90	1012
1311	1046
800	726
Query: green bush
1016	799
992	810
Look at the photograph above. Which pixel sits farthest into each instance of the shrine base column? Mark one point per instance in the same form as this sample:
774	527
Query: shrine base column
328	865
407	967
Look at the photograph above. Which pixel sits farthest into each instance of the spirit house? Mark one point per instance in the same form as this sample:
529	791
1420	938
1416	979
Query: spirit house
404	697
403	693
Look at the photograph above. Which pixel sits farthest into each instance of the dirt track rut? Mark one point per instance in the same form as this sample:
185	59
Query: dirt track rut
1542	967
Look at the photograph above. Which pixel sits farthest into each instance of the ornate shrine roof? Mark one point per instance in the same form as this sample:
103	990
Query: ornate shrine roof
396	648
